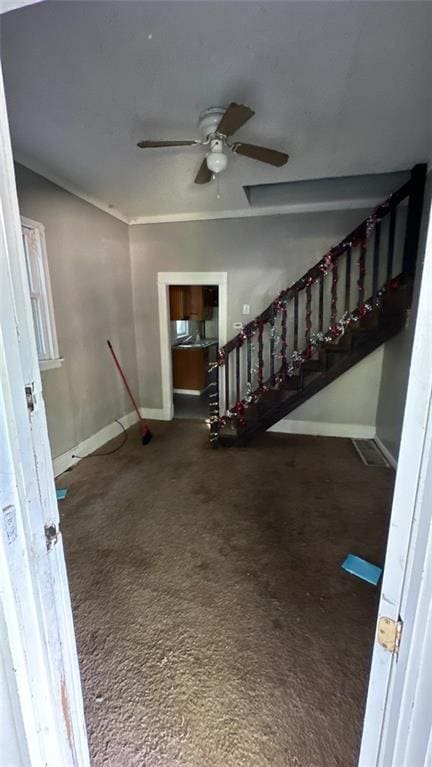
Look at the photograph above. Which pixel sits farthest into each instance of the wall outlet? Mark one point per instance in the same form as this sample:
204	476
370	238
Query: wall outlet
246	309
238	325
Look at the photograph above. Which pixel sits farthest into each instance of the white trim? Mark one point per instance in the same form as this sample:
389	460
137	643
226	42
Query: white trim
204	215
386	453
165	279
191	392
268	210
47	300
50	364
324	429
390	711
38	614
13	5
154	413
89	445
104	435
67	187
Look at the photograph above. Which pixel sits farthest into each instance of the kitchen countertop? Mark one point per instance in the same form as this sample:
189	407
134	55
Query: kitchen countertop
205	343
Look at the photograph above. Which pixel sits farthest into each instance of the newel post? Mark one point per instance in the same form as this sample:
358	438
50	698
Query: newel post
415	209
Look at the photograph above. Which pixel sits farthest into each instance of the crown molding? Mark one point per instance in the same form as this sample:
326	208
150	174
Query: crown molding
205	215
103	206
276	210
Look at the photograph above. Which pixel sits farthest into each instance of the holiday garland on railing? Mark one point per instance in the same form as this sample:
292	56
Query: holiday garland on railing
296	359
359	237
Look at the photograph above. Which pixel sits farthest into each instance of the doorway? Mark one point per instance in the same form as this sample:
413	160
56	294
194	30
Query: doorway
194	344
193	324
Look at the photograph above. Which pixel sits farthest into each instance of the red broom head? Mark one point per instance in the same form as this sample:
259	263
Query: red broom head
145	433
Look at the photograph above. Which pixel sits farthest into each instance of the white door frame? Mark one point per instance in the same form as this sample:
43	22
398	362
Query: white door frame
165	279
398	721
38	640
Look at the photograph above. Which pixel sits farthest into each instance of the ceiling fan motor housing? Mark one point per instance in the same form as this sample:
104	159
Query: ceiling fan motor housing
209	120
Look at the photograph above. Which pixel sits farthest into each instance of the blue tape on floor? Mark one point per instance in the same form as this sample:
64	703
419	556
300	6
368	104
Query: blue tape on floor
61	494
362	569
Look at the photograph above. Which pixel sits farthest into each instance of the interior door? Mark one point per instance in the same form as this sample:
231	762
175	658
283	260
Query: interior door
398	720
39	644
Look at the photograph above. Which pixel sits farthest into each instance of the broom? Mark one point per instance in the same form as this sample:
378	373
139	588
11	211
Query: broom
144	430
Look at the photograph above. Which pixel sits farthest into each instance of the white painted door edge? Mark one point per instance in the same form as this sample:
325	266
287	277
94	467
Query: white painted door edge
34	592
165	279
393	710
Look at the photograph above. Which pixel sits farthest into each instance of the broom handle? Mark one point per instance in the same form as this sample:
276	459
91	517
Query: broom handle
123	377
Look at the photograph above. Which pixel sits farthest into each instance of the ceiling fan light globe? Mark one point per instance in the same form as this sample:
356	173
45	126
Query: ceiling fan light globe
217	161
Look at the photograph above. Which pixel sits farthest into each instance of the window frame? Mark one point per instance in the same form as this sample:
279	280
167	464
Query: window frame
52	358
182	333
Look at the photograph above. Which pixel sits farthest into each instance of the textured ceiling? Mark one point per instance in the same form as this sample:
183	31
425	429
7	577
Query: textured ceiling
344	87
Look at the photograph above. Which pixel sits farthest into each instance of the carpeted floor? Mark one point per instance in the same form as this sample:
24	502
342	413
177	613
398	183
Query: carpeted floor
214	624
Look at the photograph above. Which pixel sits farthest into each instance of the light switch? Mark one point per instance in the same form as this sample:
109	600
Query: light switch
246	309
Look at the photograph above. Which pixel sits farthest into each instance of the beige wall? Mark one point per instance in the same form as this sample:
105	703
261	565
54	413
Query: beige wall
88	255
397	357
260	256
102	289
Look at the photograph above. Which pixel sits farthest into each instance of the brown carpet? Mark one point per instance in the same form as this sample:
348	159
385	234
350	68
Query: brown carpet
215	626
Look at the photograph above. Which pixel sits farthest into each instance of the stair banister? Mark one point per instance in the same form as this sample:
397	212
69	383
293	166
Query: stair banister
312	310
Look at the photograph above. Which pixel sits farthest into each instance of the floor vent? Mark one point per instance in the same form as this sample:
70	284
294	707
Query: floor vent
370	454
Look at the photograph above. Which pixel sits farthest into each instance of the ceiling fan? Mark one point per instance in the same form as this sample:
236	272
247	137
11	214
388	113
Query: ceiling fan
217	125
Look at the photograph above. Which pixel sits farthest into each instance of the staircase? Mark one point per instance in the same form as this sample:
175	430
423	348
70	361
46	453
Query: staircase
352	301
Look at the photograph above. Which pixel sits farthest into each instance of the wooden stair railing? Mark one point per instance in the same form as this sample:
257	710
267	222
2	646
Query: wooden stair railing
311	318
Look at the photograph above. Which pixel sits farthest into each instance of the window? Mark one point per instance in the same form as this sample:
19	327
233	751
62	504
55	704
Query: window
33	234
181	327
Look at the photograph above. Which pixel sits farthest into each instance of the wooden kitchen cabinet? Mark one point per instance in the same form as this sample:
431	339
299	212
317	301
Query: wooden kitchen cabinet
190	368
199	308
179	303
190	302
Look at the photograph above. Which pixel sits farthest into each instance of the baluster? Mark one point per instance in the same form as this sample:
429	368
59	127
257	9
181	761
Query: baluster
227	384
308	316
260	355
348	279
391	242
333	300
321	304
362	269
296	307
214	404
272	347
237	372
249	360
376	256
284	338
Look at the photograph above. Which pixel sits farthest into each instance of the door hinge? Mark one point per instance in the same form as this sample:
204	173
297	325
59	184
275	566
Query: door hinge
389	634
52	533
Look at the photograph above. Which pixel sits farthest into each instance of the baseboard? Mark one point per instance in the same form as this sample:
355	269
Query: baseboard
156	413
89	445
386	452
318	429
191	392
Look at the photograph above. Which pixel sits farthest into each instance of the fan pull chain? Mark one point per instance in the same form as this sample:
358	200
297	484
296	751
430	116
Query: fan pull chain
216	177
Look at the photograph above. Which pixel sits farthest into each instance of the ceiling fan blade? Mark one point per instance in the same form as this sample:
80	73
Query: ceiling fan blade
204	175
235	116
157	144
261	153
